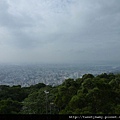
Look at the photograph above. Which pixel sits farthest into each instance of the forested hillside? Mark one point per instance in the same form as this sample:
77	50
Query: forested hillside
87	95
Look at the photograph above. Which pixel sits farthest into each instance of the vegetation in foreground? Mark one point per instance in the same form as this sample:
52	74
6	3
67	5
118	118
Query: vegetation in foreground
87	95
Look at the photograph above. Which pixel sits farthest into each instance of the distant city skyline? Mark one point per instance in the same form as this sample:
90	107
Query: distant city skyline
59	31
26	75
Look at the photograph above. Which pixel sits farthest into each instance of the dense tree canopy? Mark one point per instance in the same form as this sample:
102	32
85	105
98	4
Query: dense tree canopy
87	95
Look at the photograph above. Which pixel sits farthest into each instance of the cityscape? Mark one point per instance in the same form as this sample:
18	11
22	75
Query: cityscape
49	74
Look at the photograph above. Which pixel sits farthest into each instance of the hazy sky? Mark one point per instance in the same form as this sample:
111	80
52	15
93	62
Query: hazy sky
59	31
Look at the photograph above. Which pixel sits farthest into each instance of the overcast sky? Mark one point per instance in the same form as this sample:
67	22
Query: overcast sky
59	31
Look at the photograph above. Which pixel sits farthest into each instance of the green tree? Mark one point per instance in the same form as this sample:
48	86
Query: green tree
9	106
85	76
88	83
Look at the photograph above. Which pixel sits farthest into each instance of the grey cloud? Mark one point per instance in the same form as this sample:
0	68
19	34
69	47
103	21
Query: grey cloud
57	30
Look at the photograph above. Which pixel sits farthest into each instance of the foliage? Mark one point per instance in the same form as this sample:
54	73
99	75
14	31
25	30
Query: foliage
87	95
9	106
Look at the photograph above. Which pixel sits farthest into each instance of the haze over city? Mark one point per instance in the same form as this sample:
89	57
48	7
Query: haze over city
59	31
